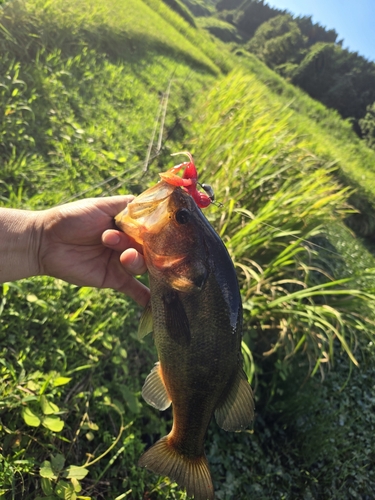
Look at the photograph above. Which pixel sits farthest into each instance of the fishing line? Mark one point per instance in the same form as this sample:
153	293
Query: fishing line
162	111
163	107
99	184
148	154
149	158
166	98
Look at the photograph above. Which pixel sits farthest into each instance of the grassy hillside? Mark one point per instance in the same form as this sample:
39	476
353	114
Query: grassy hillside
309	56
329	137
81	86
306	53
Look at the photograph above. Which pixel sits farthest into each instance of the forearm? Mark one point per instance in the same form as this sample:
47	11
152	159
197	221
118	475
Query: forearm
20	232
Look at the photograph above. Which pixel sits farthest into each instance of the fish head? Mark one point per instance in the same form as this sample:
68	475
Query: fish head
167	222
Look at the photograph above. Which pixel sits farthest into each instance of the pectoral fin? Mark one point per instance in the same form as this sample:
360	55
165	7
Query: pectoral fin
154	391
236	411
176	320
146	323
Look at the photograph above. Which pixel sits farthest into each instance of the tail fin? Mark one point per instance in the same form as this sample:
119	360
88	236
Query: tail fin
193	474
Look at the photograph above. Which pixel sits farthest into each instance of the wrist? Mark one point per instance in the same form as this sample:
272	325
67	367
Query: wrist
21	235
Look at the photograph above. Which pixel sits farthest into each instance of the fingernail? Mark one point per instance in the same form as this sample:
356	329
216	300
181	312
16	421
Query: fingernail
112	239
134	264
137	265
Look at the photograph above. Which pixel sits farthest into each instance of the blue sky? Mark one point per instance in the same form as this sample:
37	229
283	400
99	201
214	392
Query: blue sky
353	20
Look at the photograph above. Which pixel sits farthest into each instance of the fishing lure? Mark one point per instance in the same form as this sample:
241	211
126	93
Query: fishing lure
209	190
189	181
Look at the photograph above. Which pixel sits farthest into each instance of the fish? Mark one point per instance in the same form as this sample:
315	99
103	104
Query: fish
195	314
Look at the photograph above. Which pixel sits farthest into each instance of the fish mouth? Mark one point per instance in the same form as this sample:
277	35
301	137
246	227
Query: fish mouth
146	213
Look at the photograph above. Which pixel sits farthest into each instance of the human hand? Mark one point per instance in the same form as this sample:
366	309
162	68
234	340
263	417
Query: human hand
71	247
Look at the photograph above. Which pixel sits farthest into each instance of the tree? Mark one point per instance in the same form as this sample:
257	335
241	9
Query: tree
315	32
250	15
278	41
315	74
340	79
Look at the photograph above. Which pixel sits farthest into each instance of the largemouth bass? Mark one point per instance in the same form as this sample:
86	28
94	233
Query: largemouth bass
197	325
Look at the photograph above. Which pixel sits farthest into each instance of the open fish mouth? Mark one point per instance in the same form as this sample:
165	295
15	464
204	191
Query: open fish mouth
148	212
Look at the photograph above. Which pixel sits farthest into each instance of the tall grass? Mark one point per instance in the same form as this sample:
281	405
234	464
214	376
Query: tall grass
216	51
330	137
276	197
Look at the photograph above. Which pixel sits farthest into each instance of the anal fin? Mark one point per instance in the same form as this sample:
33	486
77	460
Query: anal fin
154	391
236	411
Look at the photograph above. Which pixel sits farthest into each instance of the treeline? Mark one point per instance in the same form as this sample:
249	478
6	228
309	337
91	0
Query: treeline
305	53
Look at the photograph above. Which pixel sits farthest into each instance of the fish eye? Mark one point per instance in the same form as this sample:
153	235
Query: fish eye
182	216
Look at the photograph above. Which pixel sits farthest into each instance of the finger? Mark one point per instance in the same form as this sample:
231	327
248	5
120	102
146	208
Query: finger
136	291
112	205
119	241
133	261
117	203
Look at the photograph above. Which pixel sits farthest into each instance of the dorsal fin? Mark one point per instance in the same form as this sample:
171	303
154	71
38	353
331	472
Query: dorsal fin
236	411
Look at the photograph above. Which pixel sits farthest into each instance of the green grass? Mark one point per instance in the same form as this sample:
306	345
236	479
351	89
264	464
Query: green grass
74	114
80	89
220	29
76	356
127	31
311	441
84	122
325	132
283	193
